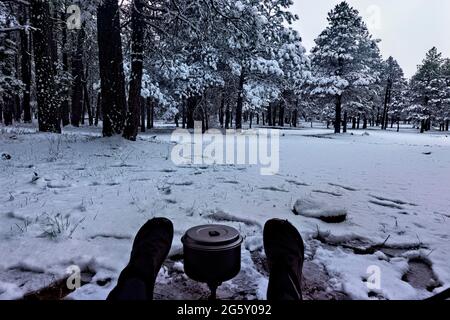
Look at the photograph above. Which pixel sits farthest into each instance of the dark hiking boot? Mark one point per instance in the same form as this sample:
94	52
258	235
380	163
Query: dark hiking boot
150	249
285	255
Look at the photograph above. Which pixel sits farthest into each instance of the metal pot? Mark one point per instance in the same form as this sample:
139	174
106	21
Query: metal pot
212	254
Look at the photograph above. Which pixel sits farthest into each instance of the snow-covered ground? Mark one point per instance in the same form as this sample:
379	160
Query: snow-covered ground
78	199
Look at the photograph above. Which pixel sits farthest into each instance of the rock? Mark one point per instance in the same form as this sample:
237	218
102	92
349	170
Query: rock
314	209
6	156
35	177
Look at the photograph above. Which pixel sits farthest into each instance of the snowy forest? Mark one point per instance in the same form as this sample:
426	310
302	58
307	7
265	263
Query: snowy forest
92	94
225	63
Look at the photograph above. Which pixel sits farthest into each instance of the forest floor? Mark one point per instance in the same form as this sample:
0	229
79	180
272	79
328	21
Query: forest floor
78	199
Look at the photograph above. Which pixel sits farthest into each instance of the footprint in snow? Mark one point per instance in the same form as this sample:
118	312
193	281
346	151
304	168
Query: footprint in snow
297	183
343	187
420	275
395	201
386	204
331	193
274	189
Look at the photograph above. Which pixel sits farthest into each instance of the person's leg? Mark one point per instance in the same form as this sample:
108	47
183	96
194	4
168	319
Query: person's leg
285	255
150	249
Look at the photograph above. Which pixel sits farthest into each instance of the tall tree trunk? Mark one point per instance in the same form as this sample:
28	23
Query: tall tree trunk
87	101
65	106
177	120
8	111
184	114
25	52
137	65
98	109
206	119
447	125
48	108
345	122
338	119
77	86
281	115
384	119
269	115
191	106
422	126
228	118
274	114
240	101
295	118
143	114
221	110
150	113
111	67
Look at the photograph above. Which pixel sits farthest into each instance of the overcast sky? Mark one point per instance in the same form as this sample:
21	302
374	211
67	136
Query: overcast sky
407	28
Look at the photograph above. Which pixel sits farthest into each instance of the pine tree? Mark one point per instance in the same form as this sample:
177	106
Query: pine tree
393	84
427	89
342	59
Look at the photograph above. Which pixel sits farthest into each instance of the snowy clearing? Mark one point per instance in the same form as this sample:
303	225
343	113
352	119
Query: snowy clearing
78	199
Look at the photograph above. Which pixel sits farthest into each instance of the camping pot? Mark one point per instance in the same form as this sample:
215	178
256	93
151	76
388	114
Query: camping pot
212	254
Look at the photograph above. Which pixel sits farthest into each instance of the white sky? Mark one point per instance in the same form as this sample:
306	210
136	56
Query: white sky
407	28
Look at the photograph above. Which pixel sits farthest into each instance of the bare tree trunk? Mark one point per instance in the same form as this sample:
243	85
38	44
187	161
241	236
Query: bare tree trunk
98	109
337	122
184	115
25	52
143	114
8	111
192	103
65	107
77	114
87	101
150	113
295	118
111	67
345	122
137	64
240	101
281	115
221	111
269	115
48	108
274	114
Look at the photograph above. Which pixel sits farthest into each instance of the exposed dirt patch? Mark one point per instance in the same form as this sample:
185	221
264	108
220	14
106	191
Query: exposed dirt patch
58	290
420	275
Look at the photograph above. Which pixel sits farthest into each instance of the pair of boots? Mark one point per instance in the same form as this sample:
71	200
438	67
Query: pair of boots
282	243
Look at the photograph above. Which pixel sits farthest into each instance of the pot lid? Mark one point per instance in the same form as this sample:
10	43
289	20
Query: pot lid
212	236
